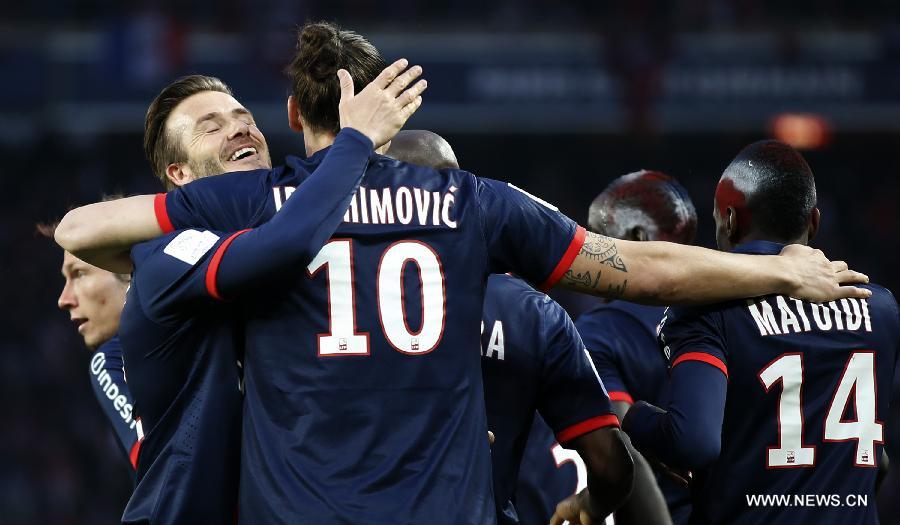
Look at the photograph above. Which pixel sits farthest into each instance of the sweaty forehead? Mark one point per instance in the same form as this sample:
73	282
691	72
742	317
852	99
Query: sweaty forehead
199	105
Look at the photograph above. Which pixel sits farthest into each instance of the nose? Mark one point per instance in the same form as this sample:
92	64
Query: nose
239	128
67	299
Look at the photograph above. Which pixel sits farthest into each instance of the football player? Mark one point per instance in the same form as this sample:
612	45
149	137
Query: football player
774	401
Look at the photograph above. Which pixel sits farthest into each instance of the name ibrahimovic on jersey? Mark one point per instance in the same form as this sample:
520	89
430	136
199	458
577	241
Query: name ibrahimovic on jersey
401	205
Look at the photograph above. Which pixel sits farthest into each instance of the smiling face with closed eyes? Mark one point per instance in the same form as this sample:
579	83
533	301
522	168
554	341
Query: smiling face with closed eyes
216	135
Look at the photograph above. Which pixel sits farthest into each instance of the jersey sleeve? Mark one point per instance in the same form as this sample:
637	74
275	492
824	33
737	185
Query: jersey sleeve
113	396
525	235
693	334
169	276
228	202
613	338
687	434
197	265
571	397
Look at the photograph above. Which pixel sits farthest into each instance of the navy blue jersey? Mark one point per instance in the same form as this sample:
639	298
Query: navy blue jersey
182	346
182	367
533	359
364	401
800	418
621	338
114	397
893	440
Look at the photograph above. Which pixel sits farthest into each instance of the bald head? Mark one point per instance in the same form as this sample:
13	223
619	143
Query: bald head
767	192
645	205
418	146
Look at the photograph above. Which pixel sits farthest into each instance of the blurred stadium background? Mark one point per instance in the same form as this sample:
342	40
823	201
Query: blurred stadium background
559	97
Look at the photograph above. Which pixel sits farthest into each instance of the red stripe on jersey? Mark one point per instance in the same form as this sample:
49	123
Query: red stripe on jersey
703	358
135	452
621	396
580	429
213	269
566	261
162	215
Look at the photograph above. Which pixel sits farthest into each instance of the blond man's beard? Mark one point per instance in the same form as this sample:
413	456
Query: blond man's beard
206	167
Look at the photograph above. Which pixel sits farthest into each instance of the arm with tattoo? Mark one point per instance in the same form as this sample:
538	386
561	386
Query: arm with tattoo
670	274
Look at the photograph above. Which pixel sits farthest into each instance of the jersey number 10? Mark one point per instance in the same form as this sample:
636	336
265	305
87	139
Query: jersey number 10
858	380
342	338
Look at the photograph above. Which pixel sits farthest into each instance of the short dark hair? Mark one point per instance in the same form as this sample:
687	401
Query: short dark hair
650	199
159	147
322	49
778	186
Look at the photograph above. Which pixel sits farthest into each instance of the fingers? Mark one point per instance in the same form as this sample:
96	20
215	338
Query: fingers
851	277
839	266
410	94
411	99
401	82
490	437
853	292
384	79
410	108
556	519
346	82
565	510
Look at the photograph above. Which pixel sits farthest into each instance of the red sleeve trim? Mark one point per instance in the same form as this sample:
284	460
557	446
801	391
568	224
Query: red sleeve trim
213	270
566	261
135	452
621	396
703	358
580	429
162	215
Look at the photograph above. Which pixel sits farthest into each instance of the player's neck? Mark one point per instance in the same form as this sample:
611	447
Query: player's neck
318	141
760	236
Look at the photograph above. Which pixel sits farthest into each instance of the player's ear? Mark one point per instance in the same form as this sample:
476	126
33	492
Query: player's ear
638	233
293	111
179	173
731	226
814	219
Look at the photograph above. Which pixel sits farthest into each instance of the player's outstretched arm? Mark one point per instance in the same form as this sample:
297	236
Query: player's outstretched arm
610	478
665	273
311	215
103	233
290	240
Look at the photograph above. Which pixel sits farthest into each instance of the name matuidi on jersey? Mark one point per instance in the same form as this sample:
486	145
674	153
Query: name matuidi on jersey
794	317
402	205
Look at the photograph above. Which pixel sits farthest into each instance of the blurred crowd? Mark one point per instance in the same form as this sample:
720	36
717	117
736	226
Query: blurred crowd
691	15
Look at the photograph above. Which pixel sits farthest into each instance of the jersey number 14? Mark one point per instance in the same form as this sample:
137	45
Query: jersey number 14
858	380
342	337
